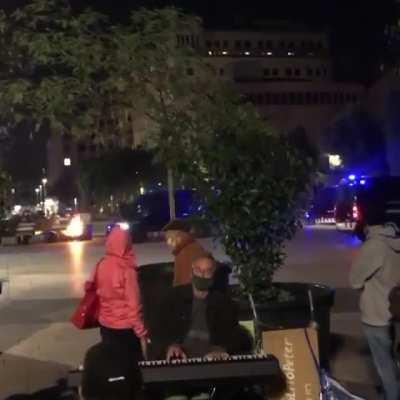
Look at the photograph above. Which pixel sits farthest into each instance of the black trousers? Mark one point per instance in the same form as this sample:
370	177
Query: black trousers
124	338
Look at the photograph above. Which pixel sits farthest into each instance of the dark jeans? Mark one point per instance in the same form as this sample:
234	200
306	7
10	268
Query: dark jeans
125	338
380	344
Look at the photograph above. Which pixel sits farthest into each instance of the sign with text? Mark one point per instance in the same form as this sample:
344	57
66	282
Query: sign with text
300	376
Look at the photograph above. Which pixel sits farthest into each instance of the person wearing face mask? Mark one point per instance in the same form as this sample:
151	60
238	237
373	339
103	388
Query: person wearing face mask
199	321
184	248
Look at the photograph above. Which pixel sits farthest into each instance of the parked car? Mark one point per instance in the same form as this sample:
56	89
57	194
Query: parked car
150	213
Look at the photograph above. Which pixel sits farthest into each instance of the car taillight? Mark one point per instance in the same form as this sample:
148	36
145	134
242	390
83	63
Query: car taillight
356	213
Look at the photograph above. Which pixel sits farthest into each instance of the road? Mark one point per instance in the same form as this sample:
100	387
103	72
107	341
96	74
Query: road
45	281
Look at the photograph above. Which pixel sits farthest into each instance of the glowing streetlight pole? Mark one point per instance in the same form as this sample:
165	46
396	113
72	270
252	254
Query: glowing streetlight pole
44	181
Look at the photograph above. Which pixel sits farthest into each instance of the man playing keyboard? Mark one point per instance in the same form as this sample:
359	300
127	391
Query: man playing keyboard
197	321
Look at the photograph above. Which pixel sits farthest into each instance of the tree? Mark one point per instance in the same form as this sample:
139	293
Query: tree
360	140
252	180
120	174
86	76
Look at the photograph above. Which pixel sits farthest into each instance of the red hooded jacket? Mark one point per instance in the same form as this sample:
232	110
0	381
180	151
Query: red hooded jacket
117	285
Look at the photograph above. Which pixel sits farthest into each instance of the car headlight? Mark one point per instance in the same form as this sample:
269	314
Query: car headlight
124	226
75	227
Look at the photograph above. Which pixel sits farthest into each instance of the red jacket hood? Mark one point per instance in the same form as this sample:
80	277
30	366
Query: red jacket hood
119	244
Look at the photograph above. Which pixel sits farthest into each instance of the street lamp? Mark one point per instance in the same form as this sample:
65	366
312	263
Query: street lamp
44	181
41	194
37	191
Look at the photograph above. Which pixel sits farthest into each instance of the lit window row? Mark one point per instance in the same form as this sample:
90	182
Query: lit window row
295	72
266	44
301	98
257	53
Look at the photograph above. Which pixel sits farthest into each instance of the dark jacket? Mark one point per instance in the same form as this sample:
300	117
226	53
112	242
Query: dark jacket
221	313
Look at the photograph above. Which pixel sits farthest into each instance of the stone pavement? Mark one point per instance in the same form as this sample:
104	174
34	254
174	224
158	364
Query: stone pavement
40	347
54	346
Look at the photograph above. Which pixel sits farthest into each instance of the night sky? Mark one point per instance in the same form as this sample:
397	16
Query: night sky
355	26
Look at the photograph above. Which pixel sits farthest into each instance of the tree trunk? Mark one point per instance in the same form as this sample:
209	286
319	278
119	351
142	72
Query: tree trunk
171	195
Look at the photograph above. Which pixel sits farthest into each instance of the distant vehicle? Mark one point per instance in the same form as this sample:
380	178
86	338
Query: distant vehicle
356	195
322	208
35	226
150	212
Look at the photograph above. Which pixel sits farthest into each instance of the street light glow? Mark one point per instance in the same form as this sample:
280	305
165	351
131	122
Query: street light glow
335	160
67	162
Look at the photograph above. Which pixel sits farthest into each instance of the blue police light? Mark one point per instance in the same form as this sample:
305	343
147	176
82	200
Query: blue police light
363	182
352	177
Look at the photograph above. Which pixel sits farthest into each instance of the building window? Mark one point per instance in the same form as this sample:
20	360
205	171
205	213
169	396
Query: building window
341	98
208	43
266	72
292	98
267	98
310	72
291	46
260	44
81	148
324	71
284	99
260	99
238	44
268	44
190	71
221	72
315	98
354	98
317	72
288	71
297	72
216	44
348	98
308	98
300	98
282	45
275	71
226	44
274	98
247	44
328	98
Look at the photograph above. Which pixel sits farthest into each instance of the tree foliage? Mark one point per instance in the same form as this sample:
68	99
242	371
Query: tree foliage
252	180
120	174
87	76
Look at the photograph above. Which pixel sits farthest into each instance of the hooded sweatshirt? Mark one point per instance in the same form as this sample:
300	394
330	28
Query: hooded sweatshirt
376	271
117	285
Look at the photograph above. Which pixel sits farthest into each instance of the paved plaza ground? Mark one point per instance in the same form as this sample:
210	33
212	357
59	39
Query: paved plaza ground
38	345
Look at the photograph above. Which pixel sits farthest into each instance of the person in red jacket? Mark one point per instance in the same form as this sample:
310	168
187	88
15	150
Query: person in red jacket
120	314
